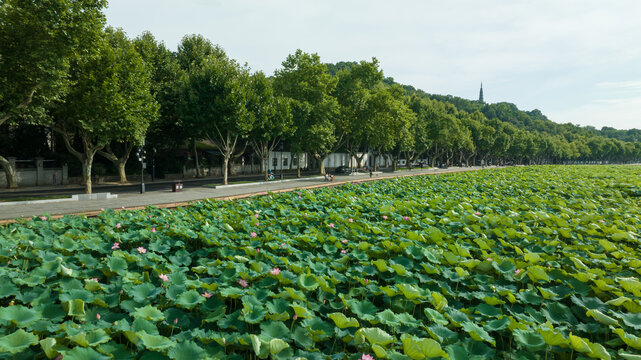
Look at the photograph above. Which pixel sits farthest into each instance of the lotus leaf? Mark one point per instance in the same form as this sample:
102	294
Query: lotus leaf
149	313
155	342
342	321
17	341
187	350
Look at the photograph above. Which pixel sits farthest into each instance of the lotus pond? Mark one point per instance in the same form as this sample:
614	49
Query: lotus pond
517	263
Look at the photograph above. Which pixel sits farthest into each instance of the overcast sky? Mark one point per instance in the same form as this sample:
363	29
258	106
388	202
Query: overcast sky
577	61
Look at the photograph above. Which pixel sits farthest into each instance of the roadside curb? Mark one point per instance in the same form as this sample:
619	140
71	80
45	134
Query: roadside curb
266	182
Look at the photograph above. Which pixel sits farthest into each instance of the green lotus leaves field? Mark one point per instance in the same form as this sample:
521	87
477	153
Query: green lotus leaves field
518	263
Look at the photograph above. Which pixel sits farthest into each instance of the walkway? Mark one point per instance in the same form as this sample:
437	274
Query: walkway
166	198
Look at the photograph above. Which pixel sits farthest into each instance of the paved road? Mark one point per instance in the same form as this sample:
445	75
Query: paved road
118	188
166	198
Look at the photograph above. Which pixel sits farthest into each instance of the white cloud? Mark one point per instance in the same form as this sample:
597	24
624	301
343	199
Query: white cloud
616	113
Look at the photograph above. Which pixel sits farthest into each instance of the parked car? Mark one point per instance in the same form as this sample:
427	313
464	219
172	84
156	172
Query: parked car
342	170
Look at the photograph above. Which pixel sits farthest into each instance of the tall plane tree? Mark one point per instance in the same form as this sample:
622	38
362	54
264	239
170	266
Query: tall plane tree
354	92
214	97
193	50
109	100
37	41
305	80
272	118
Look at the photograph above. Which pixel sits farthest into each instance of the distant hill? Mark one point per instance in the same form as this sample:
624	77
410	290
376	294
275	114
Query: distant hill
533	120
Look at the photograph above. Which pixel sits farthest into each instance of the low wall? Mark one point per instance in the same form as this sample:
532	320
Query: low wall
38	176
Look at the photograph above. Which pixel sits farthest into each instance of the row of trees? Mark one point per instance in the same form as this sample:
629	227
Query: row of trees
102	93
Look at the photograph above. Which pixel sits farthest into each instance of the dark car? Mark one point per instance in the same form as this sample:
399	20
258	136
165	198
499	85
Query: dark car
342	170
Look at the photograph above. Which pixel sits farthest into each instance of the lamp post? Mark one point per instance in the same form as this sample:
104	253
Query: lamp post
281	160
143	165
153	165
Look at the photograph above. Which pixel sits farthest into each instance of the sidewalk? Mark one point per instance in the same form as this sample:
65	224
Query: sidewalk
167	198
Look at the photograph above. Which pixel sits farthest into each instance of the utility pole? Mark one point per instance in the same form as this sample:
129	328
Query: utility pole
143	165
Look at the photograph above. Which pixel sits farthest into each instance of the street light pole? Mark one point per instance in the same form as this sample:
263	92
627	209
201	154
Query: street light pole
281	160
141	158
153	165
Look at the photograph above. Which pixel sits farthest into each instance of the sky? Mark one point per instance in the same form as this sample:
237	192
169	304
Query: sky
578	61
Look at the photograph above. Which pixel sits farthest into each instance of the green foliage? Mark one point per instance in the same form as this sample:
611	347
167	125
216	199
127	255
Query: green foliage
514	262
304	79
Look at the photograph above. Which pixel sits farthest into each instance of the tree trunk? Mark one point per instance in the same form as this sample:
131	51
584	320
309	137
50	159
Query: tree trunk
321	165
10	172
87	161
196	161
265	161
121	171
359	160
119	162
375	162
298	167
225	165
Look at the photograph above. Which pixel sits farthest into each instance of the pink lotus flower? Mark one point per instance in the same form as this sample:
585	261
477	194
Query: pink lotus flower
243	283
164	277
102	209
257	224
406	217
517	271
477	213
343	251
256	216
391	244
206	294
295	316
384	217
344	241
98	316
282	245
350	220
150	216
94	279
275	271
257	250
123	208
175	321
153	229
115	246
253	234
118	225
331	225
602	221
43	218
367	357
366	280
489	259
141	250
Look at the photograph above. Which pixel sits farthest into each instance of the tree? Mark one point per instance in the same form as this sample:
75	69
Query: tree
355	86
390	122
37	41
167	131
272	118
214	98
193	50
109	100
305	80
